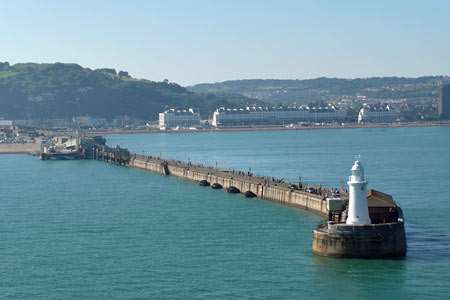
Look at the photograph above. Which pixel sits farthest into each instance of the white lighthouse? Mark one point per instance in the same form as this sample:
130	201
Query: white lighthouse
358	209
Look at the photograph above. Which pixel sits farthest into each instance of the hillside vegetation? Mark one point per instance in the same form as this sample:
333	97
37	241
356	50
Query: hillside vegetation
60	90
327	89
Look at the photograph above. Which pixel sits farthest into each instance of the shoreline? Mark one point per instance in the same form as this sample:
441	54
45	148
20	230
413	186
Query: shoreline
34	148
277	128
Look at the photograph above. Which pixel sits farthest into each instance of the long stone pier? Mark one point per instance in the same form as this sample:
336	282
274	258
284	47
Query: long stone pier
262	187
267	188
384	236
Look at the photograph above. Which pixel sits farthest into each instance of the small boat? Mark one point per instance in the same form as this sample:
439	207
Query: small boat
233	190
249	194
203	183
216	186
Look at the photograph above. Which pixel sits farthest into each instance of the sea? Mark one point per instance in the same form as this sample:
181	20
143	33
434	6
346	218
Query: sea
91	230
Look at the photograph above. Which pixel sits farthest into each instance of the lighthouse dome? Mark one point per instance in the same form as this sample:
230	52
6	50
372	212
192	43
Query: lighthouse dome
357	166
357	171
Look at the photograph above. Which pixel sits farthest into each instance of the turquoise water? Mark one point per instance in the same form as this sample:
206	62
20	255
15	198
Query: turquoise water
88	230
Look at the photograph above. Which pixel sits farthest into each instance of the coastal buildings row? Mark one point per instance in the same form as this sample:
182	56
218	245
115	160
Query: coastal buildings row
342	111
260	116
276	115
378	114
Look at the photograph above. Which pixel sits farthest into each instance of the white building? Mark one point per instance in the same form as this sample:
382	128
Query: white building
378	114
276	115
174	118
6	124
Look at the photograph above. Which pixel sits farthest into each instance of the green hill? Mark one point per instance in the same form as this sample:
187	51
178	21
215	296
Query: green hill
58	90
328	89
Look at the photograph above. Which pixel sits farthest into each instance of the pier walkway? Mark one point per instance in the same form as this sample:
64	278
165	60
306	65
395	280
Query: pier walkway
263	187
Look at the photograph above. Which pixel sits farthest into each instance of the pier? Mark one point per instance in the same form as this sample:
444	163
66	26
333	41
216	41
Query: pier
380	234
262	187
267	188
96	148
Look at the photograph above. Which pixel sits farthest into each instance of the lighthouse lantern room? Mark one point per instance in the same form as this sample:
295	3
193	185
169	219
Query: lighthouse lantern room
358	209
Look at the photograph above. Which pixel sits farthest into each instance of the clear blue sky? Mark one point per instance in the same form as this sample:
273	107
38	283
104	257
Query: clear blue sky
210	40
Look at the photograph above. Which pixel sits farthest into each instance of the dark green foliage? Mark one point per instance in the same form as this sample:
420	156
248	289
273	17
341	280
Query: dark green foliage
66	90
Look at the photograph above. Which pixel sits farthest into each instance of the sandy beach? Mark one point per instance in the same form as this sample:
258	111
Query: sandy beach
27	148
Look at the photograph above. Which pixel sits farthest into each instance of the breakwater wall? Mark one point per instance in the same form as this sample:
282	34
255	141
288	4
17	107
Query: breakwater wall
362	241
384	238
263	187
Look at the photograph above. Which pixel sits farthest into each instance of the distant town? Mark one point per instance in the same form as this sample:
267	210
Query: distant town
343	113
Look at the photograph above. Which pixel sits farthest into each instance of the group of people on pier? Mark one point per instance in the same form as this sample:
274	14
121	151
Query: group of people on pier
265	180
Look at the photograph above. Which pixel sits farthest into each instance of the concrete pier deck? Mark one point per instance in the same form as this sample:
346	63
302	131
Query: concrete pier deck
262	187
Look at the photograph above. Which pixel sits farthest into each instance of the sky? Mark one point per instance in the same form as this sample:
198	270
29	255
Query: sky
199	41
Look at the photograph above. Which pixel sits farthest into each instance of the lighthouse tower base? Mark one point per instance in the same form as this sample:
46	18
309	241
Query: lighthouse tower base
360	241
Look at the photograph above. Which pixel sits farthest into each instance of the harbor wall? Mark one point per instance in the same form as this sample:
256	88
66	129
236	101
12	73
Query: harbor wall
361	241
260	186
378	240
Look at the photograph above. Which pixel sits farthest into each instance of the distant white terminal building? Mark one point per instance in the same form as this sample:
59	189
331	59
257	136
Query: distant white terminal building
382	114
7	124
276	115
175	118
